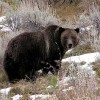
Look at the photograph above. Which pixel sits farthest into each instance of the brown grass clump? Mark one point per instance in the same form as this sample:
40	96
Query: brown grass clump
4	8
3	77
79	50
37	87
97	68
68	11
85	87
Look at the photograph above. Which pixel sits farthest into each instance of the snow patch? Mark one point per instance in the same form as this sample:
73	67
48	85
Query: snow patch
88	58
68	89
65	80
5	91
17	97
69	51
85	29
33	97
87	68
4	27
2	18
49	87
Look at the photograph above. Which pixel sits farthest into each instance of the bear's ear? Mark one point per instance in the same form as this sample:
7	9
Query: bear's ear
59	30
77	30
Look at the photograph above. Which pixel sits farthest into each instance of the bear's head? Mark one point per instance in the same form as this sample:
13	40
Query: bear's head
69	37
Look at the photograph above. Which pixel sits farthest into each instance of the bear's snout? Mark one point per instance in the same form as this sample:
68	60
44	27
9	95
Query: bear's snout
70	46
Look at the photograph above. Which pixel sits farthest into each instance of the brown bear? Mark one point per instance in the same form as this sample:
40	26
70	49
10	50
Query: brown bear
32	51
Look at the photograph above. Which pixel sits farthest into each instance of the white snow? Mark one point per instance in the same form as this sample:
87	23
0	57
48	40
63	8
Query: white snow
68	89
4	27
49	87
1	26
2	18
70	50
88	28
65	80
88	58
33	97
17	97
5	91
87	67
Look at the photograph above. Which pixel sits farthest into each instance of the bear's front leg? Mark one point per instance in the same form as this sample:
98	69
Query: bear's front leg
52	66
45	66
55	66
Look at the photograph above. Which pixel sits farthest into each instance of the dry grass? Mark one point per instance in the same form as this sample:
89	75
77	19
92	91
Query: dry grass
80	49
84	86
3	77
32	14
4	8
97	68
68	11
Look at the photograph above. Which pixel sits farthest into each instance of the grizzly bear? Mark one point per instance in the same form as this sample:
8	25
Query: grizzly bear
32	51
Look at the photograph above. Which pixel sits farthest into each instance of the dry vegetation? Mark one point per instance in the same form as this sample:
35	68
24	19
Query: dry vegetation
81	14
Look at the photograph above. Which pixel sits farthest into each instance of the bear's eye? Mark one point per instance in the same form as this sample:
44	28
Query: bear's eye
73	37
65	38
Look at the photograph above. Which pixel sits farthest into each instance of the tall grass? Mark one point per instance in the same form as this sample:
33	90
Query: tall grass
91	34
31	14
85	88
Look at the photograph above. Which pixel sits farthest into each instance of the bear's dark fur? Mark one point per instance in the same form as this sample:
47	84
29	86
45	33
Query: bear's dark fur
29	52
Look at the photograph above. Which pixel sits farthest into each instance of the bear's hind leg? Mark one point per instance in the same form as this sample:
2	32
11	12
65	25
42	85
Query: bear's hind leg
11	69
12	76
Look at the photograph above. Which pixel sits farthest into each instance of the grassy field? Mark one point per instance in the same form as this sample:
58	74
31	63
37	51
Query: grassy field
82	14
